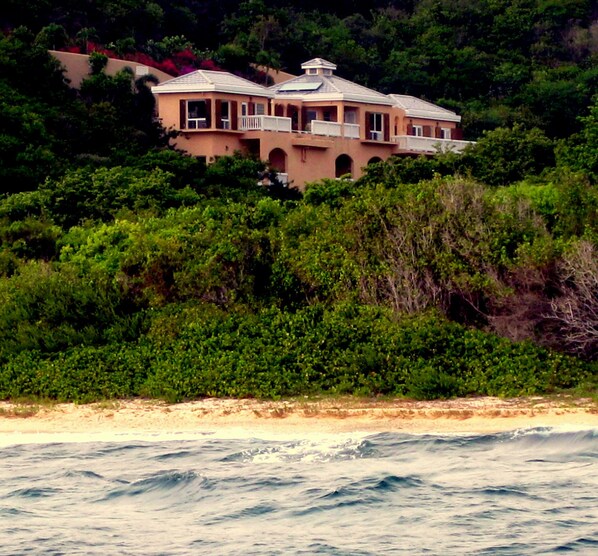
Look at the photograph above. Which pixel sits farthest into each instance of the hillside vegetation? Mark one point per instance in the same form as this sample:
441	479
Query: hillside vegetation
130	269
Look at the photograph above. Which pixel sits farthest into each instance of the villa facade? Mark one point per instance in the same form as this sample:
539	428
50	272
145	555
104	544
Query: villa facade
314	126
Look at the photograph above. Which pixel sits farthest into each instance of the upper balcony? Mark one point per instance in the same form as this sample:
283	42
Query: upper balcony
428	145
285	125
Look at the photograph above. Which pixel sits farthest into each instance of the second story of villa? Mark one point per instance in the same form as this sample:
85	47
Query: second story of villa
321	103
218	113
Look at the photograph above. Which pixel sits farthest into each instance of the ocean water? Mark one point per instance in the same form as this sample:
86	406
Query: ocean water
524	492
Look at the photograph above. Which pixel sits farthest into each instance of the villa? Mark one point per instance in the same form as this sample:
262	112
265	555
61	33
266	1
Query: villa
313	126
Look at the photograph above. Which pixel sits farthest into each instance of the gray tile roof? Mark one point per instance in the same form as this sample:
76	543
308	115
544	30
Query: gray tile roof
207	80
418	108
332	88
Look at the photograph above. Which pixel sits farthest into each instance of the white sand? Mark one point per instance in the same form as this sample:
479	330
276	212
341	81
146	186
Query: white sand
145	419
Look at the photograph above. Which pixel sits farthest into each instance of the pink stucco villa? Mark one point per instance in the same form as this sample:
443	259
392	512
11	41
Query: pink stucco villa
314	126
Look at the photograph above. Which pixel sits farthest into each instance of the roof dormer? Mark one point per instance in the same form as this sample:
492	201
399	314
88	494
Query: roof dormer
318	66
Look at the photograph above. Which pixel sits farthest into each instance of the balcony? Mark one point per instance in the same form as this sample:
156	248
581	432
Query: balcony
334	129
428	145
265	123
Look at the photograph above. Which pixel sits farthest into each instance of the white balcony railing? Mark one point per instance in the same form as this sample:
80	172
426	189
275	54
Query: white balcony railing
265	123
351	131
431	145
330	129
334	129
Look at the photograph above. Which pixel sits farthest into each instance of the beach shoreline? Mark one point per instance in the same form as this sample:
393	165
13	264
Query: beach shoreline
113	420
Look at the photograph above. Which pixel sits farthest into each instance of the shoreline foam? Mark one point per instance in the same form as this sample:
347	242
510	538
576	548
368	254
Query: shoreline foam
122	420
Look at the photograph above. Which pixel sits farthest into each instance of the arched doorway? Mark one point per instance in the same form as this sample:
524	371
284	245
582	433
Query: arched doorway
278	160
374	160
343	166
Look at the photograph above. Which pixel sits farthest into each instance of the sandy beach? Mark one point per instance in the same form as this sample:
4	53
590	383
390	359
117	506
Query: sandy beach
24	423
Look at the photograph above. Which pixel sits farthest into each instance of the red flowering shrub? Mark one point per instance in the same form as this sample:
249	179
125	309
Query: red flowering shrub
180	63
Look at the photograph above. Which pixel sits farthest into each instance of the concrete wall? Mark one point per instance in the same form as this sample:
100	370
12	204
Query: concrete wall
77	67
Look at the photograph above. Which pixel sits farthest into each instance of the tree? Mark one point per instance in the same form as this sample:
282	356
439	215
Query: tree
52	37
504	156
576	309
580	152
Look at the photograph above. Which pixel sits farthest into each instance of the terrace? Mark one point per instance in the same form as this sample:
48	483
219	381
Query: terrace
428	145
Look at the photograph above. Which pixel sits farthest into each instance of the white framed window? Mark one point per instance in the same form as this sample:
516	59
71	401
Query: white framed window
376	126
197	114
418	130
260	109
244	109
312	71
445	132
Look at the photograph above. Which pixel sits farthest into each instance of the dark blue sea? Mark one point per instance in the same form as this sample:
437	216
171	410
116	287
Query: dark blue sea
523	492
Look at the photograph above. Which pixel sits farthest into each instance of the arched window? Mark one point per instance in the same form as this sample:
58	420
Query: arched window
374	160
343	166
278	160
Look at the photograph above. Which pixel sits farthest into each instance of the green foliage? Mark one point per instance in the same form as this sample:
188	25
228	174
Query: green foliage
505	156
101	194
396	171
52	37
580	152
345	350
329	192
448	243
234	177
52	310
27	149
97	63
30	238
184	169
217	252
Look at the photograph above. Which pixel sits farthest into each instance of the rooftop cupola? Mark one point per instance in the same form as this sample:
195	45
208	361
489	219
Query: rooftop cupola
318	66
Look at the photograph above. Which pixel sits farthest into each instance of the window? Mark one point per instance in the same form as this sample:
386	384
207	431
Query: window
350	116
312	71
197	114
376	126
252	109
225	114
445	132
418	130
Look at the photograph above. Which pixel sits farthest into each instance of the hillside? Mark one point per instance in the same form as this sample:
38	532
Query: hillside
130	269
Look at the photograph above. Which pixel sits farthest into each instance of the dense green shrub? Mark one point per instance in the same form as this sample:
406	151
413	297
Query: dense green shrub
49	310
101	194
348	349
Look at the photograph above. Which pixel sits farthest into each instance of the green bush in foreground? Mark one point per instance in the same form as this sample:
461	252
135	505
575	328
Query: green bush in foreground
348	349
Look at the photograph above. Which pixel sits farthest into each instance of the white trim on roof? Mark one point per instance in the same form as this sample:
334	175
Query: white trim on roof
318	63
328	97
